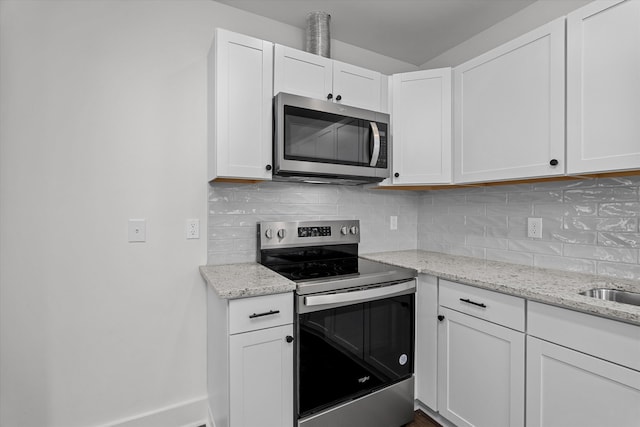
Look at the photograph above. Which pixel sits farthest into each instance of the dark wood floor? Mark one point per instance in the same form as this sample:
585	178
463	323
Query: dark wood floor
422	420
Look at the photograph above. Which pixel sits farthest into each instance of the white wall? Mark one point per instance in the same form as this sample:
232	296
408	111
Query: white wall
527	19
102	113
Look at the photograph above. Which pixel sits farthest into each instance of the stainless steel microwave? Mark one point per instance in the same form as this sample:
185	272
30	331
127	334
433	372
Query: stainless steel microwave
321	141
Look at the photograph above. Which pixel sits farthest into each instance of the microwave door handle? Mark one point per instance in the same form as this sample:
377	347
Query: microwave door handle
376	144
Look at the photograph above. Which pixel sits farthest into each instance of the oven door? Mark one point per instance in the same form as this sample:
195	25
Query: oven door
353	343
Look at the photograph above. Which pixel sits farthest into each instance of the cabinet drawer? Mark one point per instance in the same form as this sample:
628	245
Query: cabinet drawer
488	305
249	314
604	338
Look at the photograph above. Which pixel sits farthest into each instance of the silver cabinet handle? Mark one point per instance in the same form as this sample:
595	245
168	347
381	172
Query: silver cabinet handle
376	144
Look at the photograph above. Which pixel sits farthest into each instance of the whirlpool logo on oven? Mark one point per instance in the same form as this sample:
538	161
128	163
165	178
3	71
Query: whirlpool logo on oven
364	379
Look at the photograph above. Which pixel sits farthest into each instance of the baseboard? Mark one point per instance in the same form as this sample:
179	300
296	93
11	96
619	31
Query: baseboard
192	413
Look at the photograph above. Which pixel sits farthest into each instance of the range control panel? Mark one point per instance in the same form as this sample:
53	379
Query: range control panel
274	234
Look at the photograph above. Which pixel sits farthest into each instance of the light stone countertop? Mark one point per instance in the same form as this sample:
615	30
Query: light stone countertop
555	287
245	280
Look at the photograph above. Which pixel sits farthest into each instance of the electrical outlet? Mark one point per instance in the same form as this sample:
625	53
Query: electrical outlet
192	230
137	230
393	222
534	228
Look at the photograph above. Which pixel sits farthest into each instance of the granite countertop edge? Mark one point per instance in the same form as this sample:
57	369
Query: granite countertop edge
556	287
231	281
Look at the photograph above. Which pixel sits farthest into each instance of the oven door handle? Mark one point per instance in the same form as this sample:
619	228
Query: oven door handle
360	296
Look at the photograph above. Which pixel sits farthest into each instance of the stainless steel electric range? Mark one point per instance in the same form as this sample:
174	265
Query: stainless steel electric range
354	325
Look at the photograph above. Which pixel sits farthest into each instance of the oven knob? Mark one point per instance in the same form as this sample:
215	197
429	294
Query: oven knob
282	233
344	231
353	230
268	233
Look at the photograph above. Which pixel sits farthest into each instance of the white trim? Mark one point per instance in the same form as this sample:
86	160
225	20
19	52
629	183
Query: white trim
190	413
211	423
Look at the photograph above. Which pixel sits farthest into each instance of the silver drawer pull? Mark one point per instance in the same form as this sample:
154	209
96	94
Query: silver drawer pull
267	313
468	301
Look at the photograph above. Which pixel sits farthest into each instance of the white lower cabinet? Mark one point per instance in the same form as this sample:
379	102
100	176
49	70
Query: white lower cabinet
261	372
582	370
250	360
481	366
569	388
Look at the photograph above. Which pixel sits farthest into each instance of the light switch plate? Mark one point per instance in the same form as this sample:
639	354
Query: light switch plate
137	230
393	222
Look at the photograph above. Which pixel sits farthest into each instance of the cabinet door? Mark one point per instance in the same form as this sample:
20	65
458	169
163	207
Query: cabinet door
480	372
568	388
302	73
356	86
427	341
509	109
261	378
241	121
421	126
603	87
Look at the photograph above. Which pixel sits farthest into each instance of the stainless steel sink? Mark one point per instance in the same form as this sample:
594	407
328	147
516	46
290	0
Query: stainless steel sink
623	297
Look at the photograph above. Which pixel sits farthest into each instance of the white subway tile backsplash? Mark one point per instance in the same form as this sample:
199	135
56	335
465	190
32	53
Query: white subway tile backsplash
601	253
588	225
571	236
565	263
498	197
565	209
487	242
512	209
235	210
623	240
536	247
488	221
535	197
619	209
623	181
509	256
612	194
601	224
623	271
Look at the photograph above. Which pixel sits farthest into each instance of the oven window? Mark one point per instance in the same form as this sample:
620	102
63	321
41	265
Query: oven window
350	351
314	136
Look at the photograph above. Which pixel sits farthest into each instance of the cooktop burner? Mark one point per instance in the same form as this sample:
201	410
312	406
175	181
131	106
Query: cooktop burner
310	270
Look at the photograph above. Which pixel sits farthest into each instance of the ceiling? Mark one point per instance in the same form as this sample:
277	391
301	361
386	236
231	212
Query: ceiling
412	31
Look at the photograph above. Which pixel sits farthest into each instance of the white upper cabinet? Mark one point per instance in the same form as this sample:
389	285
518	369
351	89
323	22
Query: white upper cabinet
240	97
603	87
509	109
421	127
305	74
301	73
356	86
